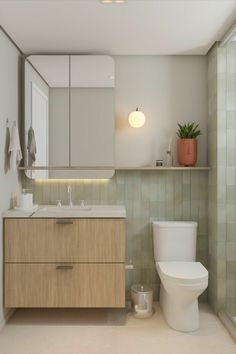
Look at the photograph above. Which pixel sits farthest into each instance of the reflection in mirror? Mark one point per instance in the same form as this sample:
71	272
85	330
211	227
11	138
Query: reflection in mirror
92	111
46	112
69	116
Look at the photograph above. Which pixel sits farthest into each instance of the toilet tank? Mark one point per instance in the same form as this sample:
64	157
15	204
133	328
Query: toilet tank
174	241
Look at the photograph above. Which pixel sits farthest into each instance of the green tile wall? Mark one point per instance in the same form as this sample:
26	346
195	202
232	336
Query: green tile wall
227	117
147	195
222	177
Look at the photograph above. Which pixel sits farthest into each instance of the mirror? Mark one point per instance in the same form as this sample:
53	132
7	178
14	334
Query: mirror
69	116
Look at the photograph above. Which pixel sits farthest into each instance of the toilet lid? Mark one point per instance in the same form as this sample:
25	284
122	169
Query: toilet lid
184	272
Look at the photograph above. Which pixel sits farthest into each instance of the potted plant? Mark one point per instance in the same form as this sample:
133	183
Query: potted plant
187	143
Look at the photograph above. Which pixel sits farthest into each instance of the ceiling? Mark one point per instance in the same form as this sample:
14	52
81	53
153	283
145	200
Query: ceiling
138	27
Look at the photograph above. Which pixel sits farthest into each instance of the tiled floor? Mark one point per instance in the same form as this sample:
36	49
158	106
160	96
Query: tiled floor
34	332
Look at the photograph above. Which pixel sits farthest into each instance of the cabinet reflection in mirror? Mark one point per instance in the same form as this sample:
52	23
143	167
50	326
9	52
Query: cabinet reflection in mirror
69	116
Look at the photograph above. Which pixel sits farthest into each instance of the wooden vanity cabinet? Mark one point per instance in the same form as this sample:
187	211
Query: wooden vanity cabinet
64	262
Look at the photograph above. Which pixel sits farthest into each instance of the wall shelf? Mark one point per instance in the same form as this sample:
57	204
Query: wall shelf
162	168
120	168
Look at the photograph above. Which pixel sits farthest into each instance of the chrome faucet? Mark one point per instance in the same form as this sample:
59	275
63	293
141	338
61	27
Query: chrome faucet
69	191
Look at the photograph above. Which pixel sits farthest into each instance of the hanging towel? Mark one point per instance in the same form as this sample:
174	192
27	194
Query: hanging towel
14	148
31	146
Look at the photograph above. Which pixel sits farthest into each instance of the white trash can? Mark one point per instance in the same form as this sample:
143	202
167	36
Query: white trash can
142	300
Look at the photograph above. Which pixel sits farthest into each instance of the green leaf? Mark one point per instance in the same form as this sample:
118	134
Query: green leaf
188	130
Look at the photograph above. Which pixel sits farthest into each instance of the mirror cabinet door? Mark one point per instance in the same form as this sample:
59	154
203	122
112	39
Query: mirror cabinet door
92	111
46	123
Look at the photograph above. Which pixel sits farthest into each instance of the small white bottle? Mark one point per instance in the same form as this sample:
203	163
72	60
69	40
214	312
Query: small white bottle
169	159
169	156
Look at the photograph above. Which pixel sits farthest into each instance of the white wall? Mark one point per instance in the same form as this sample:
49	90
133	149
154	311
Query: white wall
9	108
168	89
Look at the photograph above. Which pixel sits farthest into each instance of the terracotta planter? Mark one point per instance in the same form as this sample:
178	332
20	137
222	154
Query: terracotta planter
187	152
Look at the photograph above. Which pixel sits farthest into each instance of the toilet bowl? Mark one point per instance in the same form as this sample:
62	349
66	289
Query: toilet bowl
182	279
181	284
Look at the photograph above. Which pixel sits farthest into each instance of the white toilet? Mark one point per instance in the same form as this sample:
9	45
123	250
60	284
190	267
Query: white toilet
182	279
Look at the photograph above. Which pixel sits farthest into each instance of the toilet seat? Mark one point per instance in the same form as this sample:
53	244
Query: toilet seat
183	272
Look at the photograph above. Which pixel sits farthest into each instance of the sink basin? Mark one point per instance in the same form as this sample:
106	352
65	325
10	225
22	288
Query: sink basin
87	211
65	208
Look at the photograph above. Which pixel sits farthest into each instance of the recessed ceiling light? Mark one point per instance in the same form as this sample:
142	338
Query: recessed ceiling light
113	1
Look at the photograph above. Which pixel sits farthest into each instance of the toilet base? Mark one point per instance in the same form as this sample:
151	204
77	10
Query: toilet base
181	313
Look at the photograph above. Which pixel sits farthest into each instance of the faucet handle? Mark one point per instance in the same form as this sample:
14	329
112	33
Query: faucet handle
59	203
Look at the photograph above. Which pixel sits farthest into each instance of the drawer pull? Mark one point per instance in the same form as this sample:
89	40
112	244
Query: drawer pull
64	267
64	221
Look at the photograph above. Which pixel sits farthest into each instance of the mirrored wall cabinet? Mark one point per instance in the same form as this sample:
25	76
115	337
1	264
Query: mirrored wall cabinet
69	116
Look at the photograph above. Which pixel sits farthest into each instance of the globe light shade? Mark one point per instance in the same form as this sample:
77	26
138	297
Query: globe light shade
137	119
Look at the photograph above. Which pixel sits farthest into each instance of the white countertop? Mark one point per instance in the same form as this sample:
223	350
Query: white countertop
12	213
50	211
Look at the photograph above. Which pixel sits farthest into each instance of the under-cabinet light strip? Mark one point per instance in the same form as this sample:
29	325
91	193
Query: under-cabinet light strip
72	180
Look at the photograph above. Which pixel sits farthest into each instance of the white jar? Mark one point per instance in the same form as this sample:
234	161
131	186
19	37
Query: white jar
26	201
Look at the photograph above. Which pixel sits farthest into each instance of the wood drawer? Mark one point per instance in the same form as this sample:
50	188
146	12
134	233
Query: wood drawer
82	285
64	240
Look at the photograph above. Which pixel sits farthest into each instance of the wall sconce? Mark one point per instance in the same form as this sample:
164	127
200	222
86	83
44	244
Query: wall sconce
137	119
